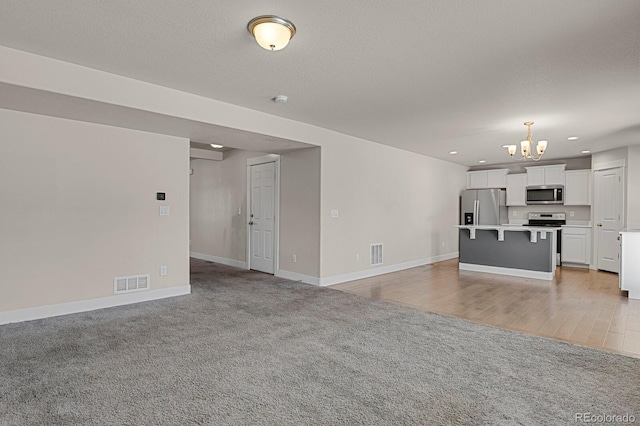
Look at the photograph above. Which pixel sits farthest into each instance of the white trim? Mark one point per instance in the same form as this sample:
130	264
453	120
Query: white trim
294	276
269	158
539	275
608	165
575	265
205	154
29	314
224	261
337	279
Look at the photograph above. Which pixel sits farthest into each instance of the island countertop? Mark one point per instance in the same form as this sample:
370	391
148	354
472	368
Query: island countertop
533	230
512	227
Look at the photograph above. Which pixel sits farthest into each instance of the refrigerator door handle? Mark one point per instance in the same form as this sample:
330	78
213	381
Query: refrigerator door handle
476	210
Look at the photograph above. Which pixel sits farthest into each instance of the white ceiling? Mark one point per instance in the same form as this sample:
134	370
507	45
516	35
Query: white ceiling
425	76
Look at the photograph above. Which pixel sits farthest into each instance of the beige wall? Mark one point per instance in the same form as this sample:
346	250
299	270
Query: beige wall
406	201
217	190
633	183
78	208
300	211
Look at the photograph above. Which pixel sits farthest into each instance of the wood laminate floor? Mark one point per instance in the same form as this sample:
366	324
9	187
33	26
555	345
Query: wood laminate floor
580	305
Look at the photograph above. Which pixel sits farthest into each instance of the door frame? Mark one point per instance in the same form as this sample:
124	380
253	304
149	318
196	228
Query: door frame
615	164
269	158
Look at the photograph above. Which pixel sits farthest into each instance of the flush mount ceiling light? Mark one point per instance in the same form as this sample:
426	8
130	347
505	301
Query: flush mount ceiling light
453	152
271	32
525	146
572	138
216	146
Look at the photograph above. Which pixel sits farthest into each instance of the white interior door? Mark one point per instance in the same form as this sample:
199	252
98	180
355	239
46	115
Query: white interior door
262	217
608	217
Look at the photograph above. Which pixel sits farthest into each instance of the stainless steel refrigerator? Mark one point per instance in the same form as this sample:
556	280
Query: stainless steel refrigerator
483	207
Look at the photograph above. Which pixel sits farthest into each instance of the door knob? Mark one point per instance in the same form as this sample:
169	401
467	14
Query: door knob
599	224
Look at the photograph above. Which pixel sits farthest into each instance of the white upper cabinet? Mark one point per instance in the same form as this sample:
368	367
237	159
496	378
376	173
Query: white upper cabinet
577	188
545	175
517	189
481	179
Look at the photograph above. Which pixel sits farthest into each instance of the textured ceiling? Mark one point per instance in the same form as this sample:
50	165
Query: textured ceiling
425	76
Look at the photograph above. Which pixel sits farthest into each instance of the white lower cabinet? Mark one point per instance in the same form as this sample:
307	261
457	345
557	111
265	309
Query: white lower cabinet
576	245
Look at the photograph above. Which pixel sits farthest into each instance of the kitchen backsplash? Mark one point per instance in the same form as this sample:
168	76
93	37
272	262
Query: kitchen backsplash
580	213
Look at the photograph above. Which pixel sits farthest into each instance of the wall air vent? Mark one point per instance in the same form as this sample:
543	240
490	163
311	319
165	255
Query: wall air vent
131	283
376	254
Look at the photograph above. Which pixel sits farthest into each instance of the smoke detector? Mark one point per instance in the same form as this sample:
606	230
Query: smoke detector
280	99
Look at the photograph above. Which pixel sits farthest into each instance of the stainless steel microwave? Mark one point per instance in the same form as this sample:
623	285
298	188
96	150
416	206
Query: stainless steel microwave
545	194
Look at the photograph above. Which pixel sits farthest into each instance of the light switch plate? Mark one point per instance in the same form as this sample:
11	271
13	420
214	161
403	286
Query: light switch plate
334	212
164	211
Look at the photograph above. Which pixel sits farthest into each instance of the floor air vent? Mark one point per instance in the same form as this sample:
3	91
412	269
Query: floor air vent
131	283
376	254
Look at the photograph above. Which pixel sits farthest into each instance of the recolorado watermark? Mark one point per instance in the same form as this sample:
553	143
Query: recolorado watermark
604	418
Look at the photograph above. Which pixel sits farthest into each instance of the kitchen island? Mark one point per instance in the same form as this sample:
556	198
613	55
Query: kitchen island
521	251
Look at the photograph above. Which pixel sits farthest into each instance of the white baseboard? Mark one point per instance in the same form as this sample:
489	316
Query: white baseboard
39	312
224	261
337	279
294	276
538	275
575	265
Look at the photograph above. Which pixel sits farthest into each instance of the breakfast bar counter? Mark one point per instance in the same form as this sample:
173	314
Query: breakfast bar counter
522	251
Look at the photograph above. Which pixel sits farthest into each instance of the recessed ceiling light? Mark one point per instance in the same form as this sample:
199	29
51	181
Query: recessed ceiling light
572	138
216	146
482	161
585	151
453	152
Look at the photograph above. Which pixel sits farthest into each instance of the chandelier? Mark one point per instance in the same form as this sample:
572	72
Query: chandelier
525	146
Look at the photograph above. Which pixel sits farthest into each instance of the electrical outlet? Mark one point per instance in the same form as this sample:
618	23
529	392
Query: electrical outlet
444	244
572	213
239	212
294	258
163	270
357	258
334	213
514	214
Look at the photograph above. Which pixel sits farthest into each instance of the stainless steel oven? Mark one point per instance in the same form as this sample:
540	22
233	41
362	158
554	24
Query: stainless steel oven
552	220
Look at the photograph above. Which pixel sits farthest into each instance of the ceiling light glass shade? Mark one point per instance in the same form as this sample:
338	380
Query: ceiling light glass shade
525	146
542	145
271	32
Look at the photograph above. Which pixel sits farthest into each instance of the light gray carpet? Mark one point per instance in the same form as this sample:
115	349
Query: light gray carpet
248	348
